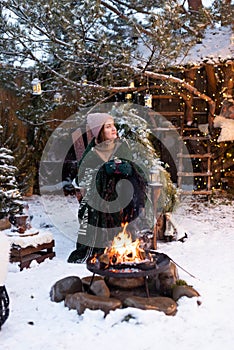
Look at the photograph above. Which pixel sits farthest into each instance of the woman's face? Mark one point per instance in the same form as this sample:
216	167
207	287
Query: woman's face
110	131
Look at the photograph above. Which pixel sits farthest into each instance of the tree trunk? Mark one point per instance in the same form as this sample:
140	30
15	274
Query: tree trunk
228	83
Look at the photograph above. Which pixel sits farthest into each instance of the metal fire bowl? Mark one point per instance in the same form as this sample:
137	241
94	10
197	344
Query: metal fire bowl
130	270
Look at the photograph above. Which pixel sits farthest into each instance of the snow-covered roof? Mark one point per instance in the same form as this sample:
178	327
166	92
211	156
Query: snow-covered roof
216	46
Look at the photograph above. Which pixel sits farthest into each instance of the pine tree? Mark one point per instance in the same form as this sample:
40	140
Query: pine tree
87	49
10	195
137	132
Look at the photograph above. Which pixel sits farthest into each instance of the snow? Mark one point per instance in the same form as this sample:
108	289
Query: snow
32	237
217	45
37	323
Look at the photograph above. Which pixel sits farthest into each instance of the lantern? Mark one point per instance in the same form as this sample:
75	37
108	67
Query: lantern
36	87
148	100
128	97
155	176
57	97
84	80
134	41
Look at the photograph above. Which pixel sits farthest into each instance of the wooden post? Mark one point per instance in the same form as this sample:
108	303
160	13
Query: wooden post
155	193
190	77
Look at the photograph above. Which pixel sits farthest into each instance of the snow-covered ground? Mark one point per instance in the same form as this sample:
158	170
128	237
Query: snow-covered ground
37	323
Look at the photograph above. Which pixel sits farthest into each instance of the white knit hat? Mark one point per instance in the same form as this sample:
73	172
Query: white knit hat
95	122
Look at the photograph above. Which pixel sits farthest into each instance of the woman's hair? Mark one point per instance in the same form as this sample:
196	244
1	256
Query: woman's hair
101	135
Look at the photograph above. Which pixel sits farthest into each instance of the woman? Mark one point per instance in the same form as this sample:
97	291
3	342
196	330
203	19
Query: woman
111	189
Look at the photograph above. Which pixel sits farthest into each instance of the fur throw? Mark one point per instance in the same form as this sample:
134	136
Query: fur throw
227	128
4	257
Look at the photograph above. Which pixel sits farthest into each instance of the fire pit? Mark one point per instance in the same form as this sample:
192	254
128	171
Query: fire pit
129	270
127	259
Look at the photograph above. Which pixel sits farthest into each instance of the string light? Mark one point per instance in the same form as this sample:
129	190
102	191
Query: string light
218	164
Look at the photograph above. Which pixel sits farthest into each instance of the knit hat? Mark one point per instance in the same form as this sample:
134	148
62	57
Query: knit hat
95	122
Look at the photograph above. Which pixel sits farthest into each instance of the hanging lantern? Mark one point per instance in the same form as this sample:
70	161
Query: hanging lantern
155	176
57	97
36	87
148	100
128	97
134	37
135	41
84	80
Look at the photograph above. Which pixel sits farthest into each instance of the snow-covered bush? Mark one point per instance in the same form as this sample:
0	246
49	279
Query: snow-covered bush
9	193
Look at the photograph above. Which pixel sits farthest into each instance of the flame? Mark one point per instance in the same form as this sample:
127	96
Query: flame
123	249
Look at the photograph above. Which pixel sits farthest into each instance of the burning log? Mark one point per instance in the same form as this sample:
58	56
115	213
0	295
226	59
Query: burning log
123	249
123	253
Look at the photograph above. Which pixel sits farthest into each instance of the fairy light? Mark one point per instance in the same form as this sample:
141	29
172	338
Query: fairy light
217	97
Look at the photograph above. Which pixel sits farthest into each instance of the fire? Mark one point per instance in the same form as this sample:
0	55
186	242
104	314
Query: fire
123	249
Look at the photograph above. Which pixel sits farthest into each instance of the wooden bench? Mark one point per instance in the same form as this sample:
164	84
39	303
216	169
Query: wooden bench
26	255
